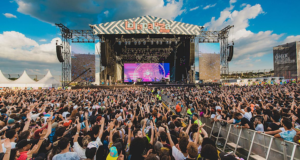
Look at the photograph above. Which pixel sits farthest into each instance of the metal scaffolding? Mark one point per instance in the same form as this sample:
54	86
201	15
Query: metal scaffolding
76	36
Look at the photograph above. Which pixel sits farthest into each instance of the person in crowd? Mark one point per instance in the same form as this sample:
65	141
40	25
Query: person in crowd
136	124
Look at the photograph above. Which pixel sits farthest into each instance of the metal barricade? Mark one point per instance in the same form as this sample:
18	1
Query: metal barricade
249	143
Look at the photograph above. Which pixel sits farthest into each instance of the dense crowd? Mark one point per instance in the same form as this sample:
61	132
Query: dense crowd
134	124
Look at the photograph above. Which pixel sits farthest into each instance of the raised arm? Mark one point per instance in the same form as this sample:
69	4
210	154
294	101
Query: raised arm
129	133
152	133
169	136
188	128
78	130
86	122
102	127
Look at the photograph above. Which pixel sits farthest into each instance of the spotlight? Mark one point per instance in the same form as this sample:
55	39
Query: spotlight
125	43
161	42
120	42
144	42
167	42
139	42
129	42
176	42
151	42
135	42
157	42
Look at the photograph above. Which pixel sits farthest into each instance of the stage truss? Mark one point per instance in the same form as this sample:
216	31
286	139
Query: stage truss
218	37
87	36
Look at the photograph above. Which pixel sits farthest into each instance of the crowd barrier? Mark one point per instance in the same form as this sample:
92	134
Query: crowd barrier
250	143
247	142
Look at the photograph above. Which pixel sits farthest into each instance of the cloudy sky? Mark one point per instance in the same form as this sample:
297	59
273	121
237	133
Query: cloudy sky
28	34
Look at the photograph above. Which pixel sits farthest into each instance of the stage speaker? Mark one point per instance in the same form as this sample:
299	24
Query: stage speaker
192	53
104	54
59	54
230	53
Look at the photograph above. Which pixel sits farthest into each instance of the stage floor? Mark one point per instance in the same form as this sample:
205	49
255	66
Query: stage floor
141	85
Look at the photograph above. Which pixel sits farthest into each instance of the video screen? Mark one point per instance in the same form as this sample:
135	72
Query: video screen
82	58
146	72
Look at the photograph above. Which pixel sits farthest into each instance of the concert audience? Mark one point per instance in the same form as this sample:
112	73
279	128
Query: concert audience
134	124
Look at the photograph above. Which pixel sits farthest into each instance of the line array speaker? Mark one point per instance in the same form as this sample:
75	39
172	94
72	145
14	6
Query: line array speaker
192	53
230	53
59	54
103	54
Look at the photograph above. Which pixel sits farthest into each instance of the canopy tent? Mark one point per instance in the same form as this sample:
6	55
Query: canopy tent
3	79
25	81
49	81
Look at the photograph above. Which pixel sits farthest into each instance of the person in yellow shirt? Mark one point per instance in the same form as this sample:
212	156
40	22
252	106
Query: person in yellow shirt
196	120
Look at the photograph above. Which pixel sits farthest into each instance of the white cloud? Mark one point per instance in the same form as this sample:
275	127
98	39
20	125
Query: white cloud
243	5
232	1
291	39
16	46
258	60
247	44
92	12
42	40
9	15
210	6
195	8
106	13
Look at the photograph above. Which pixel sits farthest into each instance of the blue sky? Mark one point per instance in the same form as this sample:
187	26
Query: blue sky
28	33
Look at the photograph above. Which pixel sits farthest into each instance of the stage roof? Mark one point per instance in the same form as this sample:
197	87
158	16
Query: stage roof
146	25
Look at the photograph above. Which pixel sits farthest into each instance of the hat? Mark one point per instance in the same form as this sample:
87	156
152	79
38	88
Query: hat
91	149
23	143
75	107
36	134
192	109
66	124
11	121
54	125
113	154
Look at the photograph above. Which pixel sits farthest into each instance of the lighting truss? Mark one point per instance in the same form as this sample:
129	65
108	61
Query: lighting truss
148	40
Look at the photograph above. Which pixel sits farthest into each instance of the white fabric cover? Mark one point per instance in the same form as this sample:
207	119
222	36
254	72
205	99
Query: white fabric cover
25	81
49	81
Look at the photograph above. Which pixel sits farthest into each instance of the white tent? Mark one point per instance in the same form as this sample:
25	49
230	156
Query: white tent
24	81
4	82
49	81
3	79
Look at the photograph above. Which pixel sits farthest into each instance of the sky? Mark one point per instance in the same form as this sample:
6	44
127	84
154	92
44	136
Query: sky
28	33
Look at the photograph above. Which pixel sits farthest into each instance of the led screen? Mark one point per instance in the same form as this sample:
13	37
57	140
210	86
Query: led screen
146	72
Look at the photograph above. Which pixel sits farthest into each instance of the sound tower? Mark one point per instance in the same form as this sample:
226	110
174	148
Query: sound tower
192	53
103	53
230	53
59	54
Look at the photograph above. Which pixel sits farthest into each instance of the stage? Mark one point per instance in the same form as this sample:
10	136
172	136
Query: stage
157	85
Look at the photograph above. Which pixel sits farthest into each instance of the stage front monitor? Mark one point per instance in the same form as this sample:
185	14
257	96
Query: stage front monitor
146	72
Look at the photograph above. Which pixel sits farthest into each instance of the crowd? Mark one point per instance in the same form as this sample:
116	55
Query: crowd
134	124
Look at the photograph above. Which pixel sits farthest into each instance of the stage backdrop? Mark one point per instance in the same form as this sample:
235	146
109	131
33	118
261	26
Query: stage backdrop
83	57
146	71
207	61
